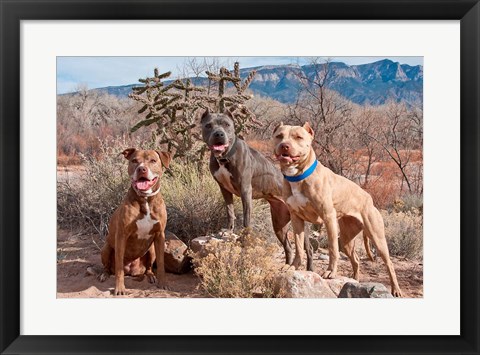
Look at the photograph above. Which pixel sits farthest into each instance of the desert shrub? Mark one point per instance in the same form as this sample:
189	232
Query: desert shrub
238	269
409	202
404	233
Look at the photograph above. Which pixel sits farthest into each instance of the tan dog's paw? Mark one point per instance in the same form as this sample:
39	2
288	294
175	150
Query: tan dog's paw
329	274
103	276
120	291
396	292
287	267
297	263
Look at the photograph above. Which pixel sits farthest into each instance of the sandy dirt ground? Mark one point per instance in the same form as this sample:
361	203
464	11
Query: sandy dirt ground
76	252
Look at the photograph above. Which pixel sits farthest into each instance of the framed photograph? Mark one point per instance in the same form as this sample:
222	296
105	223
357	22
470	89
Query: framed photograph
51	49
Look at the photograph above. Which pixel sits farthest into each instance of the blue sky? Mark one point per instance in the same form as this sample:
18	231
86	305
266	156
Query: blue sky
95	72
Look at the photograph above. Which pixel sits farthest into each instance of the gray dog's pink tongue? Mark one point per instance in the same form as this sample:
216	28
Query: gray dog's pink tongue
219	146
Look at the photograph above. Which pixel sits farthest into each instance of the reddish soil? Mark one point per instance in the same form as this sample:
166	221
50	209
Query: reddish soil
76	252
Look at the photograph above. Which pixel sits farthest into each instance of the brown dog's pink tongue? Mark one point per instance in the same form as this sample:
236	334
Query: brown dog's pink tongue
145	185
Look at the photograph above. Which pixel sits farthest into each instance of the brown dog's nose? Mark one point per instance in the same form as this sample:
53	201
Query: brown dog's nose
142	169
285	147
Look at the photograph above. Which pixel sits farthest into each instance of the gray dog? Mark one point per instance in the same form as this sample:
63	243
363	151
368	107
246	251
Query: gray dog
243	171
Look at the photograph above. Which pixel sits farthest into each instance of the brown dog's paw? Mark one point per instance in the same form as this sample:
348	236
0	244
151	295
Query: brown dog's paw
163	286
151	277
329	274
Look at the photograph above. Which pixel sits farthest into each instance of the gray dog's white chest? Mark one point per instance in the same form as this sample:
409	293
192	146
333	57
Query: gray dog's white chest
224	177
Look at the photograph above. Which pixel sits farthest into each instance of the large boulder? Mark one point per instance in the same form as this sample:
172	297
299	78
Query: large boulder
364	290
176	259
302	284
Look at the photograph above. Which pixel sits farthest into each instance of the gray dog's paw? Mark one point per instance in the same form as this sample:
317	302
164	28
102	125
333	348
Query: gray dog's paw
103	276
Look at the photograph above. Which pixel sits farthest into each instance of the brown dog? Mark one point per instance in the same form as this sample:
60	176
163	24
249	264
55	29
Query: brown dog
315	194
137	227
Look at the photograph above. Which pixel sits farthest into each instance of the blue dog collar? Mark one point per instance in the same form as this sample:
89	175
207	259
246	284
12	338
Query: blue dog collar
305	174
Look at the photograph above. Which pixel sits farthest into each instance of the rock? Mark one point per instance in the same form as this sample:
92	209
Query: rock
336	284
197	245
302	284
176	259
364	290
323	257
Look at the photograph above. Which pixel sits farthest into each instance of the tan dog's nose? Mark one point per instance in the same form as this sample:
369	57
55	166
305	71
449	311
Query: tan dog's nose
285	147
142	170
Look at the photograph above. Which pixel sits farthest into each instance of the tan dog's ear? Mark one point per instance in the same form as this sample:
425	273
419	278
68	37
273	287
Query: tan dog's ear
165	158
308	128
277	127
205	114
128	152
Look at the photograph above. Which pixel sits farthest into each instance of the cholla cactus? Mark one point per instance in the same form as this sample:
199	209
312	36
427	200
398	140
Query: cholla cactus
235	103
174	107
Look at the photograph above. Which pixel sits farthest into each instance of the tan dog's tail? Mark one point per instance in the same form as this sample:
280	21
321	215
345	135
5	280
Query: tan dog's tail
367	247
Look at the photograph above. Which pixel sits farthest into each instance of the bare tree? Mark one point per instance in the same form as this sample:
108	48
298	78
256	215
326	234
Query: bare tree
328	113
398	137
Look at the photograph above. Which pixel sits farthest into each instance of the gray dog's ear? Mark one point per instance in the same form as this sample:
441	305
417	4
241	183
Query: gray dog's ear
165	158
229	113
277	127
128	152
205	114
308	128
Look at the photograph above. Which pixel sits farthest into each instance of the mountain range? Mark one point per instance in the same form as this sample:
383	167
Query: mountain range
373	83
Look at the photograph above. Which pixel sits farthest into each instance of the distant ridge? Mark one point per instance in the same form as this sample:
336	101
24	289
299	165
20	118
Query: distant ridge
373	83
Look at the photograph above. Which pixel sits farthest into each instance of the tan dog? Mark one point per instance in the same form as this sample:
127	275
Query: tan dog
137	227
317	195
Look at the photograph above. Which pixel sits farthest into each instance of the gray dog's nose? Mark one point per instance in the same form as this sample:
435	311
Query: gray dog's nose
219	134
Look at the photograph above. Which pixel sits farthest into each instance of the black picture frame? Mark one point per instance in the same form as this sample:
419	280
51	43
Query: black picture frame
13	12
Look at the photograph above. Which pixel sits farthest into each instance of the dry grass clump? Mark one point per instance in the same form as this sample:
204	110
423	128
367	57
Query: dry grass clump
87	199
195	205
238	269
404	233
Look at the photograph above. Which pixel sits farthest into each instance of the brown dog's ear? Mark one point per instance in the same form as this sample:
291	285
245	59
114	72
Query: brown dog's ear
128	152
277	127
165	158
308	128
205	114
